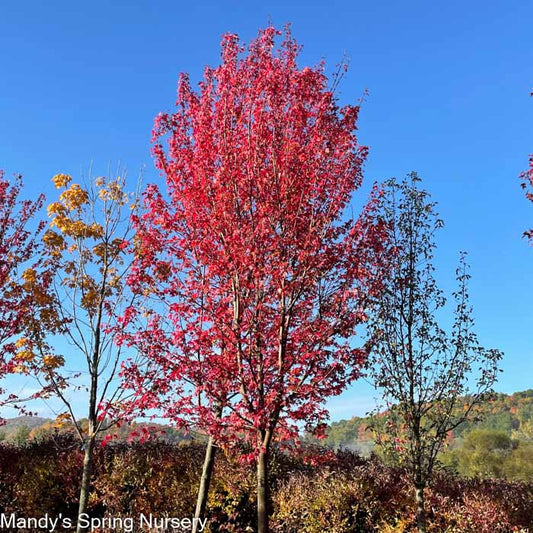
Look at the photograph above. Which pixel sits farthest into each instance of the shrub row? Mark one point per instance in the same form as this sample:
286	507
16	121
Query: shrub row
341	493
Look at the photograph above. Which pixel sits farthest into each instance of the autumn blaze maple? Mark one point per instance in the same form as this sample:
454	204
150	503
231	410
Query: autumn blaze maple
263	282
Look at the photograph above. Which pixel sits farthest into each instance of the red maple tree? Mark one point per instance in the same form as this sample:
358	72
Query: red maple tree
260	282
26	306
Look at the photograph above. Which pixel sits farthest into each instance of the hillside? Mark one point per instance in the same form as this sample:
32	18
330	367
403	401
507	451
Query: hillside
20	427
509	413
12	424
28	428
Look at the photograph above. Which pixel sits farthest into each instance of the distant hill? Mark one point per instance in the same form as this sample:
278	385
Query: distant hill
31	422
26	428
510	413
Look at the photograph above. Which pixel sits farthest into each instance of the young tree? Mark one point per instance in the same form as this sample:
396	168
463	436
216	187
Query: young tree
269	284
431	381
26	305
86	244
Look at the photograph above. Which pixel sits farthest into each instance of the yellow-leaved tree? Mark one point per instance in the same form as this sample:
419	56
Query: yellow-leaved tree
87	247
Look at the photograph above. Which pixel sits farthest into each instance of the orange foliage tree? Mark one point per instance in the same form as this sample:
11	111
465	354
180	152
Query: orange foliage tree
86	245
27	310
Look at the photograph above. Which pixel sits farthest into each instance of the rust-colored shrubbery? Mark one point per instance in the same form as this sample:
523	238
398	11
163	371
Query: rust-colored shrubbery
321	493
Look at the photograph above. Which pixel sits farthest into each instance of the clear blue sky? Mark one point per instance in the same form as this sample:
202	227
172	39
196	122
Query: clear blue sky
449	87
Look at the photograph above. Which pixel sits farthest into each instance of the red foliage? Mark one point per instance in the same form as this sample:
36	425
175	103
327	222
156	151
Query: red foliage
262	282
24	300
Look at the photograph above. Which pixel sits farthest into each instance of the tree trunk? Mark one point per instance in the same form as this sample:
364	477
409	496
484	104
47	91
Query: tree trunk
205	481
90	439
85	481
420	508
262	492
93	427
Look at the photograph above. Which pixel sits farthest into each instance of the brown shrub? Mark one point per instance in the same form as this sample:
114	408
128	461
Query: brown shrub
314	493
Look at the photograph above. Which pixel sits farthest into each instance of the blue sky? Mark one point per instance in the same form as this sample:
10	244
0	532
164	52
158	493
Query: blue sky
448	84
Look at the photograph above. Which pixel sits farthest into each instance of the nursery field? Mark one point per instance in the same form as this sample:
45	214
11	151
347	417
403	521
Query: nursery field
330	215
313	493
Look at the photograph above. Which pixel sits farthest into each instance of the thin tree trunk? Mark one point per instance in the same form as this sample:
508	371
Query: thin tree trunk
205	481
262	492
85	482
420	508
90	439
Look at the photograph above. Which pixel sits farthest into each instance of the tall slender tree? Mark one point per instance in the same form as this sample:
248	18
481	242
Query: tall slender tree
86	245
268	283
431	381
